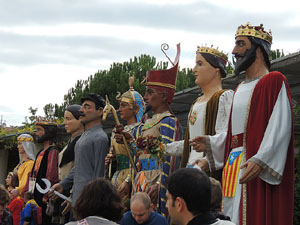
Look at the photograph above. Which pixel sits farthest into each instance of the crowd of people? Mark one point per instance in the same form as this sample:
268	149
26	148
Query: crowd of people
233	165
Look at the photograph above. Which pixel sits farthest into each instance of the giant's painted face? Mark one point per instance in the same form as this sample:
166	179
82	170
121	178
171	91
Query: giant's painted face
40	134
204	73
154	98
244	52
72	125
126	111
89	113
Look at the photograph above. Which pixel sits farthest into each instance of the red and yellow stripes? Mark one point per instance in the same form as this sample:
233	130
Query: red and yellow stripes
230	174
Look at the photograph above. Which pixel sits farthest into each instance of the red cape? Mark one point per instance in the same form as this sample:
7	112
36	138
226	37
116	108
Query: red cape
266	204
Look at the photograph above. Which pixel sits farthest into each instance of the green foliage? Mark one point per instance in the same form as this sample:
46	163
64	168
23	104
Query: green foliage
8	140
185	79
274	54
32	116
49	110
109	82
229	68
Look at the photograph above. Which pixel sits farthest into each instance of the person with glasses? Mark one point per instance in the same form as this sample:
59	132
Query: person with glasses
90	149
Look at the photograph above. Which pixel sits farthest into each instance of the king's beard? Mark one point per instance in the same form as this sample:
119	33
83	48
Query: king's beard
246	60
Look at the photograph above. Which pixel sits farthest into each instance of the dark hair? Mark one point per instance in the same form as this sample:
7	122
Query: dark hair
50	133
28	195
14	179
74	109
99	198
215	62
264	46
97	99
216	194
4	196
193	186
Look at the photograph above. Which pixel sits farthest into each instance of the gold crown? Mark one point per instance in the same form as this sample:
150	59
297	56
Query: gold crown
254	31
213	51
46	121
25	139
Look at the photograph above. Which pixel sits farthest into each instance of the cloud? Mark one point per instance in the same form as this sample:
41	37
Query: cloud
47	45
200	16
5	109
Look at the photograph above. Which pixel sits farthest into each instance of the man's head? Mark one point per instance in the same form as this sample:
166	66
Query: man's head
163	81
247	42
141	207
216	194
91	108
28	196
99	198
188	194
156	98
4	199
45	130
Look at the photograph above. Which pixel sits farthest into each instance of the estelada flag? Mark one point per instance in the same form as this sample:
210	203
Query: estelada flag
230	173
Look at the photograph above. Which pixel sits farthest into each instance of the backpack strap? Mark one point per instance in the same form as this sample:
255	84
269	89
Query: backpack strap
34	214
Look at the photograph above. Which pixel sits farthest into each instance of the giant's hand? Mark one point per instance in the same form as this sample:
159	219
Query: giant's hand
198	143
119	133
153	193
108	157
57	187
251	171
124	189
67	207
202	163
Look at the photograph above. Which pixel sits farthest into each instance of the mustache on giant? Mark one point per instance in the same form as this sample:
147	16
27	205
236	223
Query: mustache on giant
237	55
81	114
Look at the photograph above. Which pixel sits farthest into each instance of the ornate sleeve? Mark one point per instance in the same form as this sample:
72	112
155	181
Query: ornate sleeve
216	143
271	155
52	167
167	129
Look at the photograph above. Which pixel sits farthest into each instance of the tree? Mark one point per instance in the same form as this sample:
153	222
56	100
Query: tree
32	111
108	82
274	54
49	110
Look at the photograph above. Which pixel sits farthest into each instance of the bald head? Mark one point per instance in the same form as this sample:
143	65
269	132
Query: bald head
141	207
141	197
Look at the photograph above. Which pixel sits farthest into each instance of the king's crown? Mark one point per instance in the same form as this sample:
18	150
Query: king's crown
254	31
213	51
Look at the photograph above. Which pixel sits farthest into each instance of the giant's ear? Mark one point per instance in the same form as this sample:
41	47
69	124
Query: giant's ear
135	108
165	96
218	72
100	112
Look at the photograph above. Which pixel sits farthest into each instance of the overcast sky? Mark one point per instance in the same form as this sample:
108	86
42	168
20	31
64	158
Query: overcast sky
46	46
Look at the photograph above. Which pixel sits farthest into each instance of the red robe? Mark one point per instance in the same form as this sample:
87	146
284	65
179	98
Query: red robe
266	204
